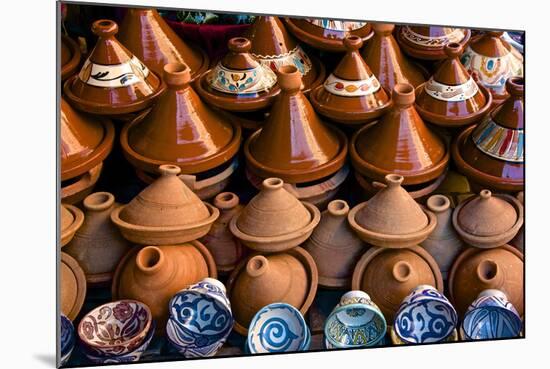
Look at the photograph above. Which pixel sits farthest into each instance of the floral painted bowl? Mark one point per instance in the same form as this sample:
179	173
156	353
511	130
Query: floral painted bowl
67	339
278	327
425	316
115	328
200	319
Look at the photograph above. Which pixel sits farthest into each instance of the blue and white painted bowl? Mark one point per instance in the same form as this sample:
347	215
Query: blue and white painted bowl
425	316
67	339
200	319
491	316
355	322
278	327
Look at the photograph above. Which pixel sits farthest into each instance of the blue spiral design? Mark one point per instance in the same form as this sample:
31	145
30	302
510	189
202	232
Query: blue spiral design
276	336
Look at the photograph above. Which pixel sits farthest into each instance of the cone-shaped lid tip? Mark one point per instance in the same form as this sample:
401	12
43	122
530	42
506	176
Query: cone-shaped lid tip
99	201
487	270
394	180
239	45
272	183
438	203
338	208
485	194
256	266
104	28
514	86
176	74
226	200
149	259
383	28
495	33
453	49
402	271
169	170
289	78
352	43
403	94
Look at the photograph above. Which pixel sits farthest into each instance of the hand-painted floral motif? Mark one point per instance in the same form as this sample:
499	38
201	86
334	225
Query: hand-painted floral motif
337	25
231	81
456	35
444	92
342	87
498	141
296	57
118	75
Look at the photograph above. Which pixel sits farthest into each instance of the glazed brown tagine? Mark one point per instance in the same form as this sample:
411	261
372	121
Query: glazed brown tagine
451	97
239	82
112	80
274	47
327	34
147	35
399	143
71	220
259	280
72	286
387	62
351	94
428	42
490	155
70	57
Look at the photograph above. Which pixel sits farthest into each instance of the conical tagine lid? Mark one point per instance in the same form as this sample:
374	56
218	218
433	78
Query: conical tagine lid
428	42
112	80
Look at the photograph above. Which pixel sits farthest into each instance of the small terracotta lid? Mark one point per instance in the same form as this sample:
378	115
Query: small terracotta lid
165	212
72	287
488	220
295	144
351	94
70	57
71	220
428	42
112	80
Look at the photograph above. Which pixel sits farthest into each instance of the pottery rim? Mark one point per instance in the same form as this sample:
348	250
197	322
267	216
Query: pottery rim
77	191
80	277
453	337
429	54
78	220
69	68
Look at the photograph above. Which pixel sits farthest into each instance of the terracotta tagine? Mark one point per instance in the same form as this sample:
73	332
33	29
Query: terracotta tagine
387	62
351	94
153	274
518	241
147	35
476	270
274	47
74	190
428	42
392	218
289	277
335	247
112	80
71	221
166	212
491	155
327	34
98	245
70	57
488	220
390	275
72	286
239	82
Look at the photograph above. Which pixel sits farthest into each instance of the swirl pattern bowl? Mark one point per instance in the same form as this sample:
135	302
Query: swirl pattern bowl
67	339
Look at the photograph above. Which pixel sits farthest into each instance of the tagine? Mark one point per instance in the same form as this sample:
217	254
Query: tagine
70	57
428	42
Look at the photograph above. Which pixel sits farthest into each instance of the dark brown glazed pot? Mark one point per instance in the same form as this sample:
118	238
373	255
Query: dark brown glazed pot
351	94
76	189
428	42
147	35
295	144
327	34
72	286
491	154
112	80
70	57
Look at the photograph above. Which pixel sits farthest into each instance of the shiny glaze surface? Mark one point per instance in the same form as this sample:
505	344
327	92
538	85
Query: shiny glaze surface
70	57
428	41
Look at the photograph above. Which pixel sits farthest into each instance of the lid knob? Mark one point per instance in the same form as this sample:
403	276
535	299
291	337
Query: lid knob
402	271
149	259
352	43
515	85
176	74
383	28
239	45
99	201
485	194
256	266
104	28
338	207
438	203
487	271
289	78
403	94
394	180
169	170
453	49
226	200
272	183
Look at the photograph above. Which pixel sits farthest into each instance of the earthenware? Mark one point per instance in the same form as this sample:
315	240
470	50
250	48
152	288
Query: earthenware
290	277
395	340
390	274
200	319
351	94
98	245
355	322
491	316
425	316
334	246
70	57
392	218
67	339
518	241
488	220
72	286
112	80
277	328
71	220
73	191
166	212
428	42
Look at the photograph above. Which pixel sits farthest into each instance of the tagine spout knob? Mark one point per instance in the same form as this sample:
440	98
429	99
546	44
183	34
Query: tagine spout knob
104	28
176	74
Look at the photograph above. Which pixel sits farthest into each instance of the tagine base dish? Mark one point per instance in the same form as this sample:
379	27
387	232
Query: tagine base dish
76	191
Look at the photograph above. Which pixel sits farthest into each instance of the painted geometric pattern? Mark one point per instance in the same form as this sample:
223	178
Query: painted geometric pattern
296	57
444	92
235	82
119	75
499	142
456	35
342	87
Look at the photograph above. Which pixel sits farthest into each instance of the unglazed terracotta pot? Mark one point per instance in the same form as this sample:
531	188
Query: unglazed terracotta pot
334	246
72	286
76	189
518	241
112	80
351	94
71	221
428	42
70	57
98	245
289	277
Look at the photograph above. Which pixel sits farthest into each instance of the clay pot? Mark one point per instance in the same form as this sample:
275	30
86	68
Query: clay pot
351	94
334	246
518	241
153	274
274	220
70	57
491	154
392	218
72	286
71	220
98	245
428	42
388	276
76	189
476	270
387	62
166	212
289	277
488	220
112	80
147	35
239	82
295	144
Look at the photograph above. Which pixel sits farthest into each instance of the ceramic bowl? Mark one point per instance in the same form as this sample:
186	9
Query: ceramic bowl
355	322
491	316
278	327
115	328
200	319
425	316
67	339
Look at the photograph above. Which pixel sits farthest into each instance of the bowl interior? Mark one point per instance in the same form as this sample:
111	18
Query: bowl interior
491	322
428	320
355	325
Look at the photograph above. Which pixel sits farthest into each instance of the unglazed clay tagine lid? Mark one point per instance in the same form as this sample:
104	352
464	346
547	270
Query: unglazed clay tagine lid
166	212
72	286
327	34
295	144
71	220
392	218
180	130
70	57
112	80
428	42
351	94
488	220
